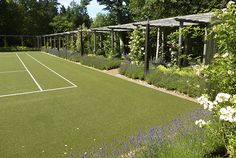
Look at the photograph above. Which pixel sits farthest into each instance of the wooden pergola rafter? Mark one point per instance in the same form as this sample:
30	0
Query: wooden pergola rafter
204	19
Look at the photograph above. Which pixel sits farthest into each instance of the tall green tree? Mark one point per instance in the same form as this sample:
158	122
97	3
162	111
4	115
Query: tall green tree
118	9
71	18
155	9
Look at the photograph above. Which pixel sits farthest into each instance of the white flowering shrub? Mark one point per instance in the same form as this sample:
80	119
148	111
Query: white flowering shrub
221	74
225	28
136	44
223	109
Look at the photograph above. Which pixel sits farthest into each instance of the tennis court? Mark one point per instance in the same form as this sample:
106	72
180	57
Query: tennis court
21	73
50	107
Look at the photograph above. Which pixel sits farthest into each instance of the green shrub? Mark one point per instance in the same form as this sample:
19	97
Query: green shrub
132	71
17	48
100	62
180	80
75	57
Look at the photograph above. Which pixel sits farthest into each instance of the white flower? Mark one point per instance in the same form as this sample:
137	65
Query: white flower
228	114
222	97
216	55
230	3
201	123
230	72
123	3
202	100
225	55
208	105
224	10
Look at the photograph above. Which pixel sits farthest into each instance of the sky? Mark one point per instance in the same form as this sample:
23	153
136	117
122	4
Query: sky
93	7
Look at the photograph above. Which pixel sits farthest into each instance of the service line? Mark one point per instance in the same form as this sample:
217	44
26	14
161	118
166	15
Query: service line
38	91
53	71
40	88
6	72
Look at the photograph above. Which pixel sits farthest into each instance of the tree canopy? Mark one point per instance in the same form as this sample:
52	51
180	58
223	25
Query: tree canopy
36	17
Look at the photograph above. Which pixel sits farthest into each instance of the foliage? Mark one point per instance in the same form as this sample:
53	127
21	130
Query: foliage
76	57
72	17
60	23
223	123
102	20
86	37
225	28
100	62
17	48
183	81
119	10
27	17
179	139
189	32
156	9
132	70
136	45
221	74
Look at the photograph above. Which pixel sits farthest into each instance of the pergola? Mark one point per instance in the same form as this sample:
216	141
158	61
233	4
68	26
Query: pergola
205	19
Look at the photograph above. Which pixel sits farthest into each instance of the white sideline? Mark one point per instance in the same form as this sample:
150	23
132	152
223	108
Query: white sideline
40	88
33	92
53	71
6	72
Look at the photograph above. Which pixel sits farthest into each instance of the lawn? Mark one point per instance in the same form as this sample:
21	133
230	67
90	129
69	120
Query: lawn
76	107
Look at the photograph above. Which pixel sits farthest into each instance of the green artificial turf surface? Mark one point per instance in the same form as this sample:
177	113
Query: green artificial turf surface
100	109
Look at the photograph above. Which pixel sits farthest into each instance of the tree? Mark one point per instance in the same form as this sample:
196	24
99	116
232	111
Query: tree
156	9
119	10
60	23
102	20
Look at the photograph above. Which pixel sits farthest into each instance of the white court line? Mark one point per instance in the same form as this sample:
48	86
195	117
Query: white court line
6	72
53	71
40	88
33	92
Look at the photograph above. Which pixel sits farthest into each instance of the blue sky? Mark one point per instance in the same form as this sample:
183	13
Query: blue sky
93	7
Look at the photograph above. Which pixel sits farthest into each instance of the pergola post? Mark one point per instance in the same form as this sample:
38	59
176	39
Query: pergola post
66	44
37	41
122	47
162	43
54	38
44	41
59	42
81	43
50	42
205	46
112	41
100	36
94	43
5	41
147	49
22	40
158	44
181	24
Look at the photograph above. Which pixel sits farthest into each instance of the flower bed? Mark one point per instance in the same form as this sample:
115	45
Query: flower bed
100	62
